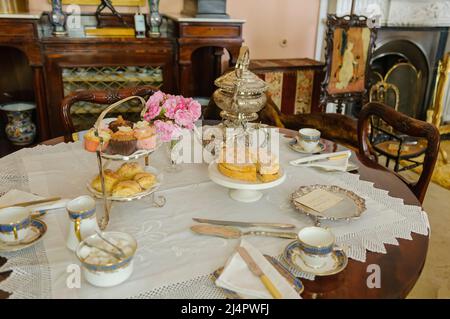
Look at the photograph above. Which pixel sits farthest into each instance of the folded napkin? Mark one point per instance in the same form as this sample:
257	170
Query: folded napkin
237	277
15	196
325	161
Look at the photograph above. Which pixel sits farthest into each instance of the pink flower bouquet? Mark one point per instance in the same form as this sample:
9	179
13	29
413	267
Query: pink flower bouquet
170	114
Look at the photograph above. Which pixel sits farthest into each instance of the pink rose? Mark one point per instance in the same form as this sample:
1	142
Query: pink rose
184	119
166	130
154	106
152	112
196	109
170	107
157	98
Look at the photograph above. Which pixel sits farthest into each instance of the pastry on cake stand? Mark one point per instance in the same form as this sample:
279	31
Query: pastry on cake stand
243	191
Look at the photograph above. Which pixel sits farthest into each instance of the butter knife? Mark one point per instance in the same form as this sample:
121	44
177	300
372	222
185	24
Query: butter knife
234	233
34	202
257	271
243	224
321	157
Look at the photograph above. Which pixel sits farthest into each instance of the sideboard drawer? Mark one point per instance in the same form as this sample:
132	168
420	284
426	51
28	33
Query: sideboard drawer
19	30
210	31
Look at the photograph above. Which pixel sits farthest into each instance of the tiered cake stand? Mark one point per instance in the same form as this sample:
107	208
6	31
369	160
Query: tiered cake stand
104	161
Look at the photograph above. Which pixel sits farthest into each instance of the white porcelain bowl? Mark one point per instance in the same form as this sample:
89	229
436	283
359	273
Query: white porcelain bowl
101	269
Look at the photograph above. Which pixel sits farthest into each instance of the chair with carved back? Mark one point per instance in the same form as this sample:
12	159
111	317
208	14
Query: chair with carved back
97	97
435	114
406	125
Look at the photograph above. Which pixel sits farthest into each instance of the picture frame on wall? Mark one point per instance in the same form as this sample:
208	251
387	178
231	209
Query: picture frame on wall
350	45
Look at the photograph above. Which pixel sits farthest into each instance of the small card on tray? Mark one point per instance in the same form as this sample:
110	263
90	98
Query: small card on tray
319	200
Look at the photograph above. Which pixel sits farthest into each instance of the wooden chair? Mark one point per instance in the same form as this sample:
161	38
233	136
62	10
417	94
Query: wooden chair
404	124
435	113
98	97
393	145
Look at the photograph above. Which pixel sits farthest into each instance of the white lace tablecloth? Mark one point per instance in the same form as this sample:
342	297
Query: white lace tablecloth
171	261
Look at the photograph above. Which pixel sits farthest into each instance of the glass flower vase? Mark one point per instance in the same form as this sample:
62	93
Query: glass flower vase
173	153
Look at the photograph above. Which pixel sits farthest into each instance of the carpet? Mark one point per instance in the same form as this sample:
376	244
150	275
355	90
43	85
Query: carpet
441	173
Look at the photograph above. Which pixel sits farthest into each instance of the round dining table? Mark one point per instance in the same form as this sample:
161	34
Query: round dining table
399	268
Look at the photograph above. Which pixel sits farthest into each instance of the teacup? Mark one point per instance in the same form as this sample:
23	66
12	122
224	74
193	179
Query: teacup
83	221
316	245
308	139
14	223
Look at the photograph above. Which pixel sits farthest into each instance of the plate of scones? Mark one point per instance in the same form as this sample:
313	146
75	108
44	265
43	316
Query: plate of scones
129	182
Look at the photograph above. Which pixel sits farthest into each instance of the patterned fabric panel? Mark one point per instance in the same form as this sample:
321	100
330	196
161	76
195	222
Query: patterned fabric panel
291	91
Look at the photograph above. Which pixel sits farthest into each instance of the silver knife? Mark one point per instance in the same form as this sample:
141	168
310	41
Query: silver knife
243	224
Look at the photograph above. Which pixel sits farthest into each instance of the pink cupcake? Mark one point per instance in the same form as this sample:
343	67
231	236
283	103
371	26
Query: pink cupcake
145	135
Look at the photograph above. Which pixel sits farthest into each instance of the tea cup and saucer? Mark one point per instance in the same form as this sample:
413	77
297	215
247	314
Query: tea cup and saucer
315	252
18	230
307	142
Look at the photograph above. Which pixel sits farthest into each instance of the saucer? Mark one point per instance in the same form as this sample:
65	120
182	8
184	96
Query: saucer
335	264
37	230
297	148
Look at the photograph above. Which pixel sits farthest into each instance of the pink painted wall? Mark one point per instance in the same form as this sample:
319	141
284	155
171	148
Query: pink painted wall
269	22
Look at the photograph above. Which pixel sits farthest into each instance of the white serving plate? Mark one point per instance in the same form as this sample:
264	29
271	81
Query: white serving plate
242	191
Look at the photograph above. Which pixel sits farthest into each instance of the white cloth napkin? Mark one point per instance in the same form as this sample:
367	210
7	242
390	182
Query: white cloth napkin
15	196
322	161
237	277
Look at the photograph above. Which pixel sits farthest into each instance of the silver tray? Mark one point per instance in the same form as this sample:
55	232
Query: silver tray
351	207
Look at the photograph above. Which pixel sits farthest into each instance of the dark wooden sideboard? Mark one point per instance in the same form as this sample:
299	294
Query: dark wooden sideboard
101	54
185	59
23	35
210	39
57	61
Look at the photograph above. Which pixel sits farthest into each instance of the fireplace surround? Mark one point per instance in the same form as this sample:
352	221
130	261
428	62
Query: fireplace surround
411	31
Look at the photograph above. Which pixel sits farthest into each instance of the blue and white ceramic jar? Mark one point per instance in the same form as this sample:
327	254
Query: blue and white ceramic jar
20	129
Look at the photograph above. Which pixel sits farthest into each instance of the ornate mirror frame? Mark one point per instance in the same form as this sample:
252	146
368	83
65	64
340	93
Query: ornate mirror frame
345	22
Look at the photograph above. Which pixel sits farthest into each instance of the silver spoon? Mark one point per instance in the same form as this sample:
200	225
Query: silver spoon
123	255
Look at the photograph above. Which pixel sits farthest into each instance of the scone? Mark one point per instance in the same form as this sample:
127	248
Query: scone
128	170
126	188
111	179
145	180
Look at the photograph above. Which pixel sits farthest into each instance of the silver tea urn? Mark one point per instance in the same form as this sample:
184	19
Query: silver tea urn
240	93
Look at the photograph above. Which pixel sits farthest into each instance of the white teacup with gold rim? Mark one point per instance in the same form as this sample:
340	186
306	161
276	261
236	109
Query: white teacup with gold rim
308	139
317	245
83	220
14	224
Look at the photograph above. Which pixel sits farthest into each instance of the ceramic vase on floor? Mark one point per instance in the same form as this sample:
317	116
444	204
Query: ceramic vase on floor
20	129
